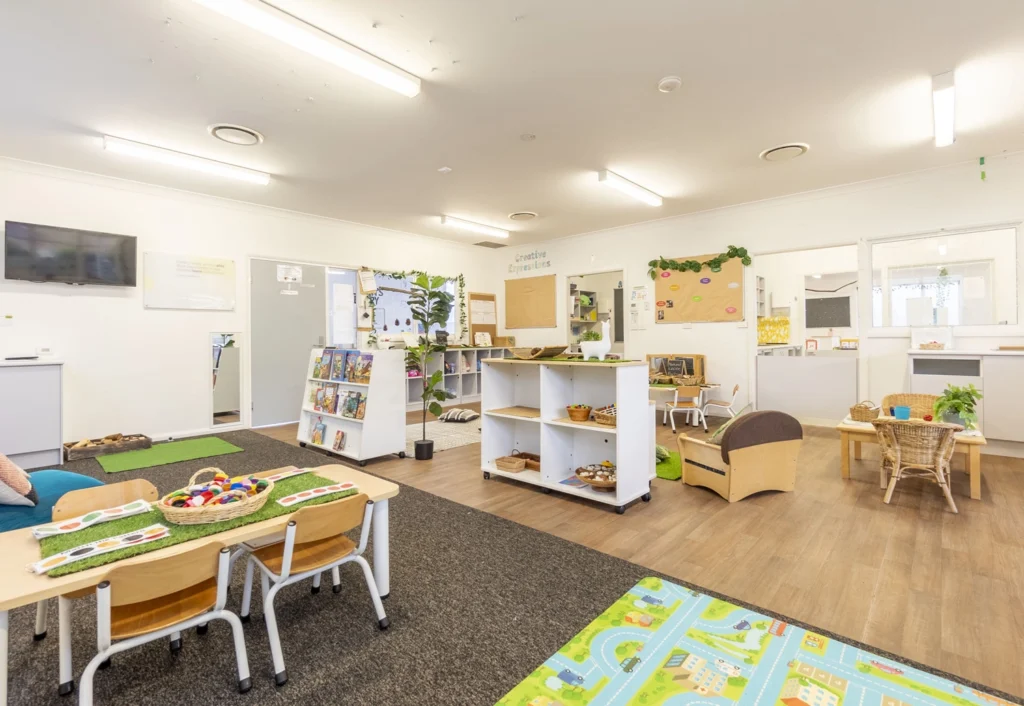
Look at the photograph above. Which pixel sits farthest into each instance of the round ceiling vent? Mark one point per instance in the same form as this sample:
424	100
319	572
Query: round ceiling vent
669	84
784	153
522	216
236	134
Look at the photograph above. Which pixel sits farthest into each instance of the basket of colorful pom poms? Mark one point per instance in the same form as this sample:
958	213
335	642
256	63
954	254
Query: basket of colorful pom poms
222	498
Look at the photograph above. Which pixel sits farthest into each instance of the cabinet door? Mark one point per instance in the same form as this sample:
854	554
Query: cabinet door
29	409
1004	390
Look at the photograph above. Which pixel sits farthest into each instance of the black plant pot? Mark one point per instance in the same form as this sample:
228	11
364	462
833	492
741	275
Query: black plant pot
424	450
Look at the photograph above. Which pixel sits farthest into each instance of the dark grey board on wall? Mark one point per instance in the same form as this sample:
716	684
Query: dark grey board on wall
827	312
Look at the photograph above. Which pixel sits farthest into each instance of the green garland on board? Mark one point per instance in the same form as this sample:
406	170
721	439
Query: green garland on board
714	264
371	299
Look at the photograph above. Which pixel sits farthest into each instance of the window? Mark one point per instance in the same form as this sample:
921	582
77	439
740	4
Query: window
392	315
964	279
341	308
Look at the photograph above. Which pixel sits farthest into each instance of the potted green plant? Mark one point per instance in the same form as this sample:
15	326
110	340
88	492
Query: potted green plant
430	305
594	344
957	406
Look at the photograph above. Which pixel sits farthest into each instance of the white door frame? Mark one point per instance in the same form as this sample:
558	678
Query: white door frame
625	287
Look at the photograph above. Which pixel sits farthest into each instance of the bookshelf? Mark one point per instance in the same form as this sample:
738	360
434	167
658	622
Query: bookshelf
582	317
465	378
524	405
381	431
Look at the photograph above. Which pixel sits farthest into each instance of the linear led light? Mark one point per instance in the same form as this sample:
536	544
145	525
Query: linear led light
629	188
473	227
184	161
944	104
285	28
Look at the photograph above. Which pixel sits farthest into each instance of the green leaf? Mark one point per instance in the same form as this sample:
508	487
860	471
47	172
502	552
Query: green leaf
436	377
435	409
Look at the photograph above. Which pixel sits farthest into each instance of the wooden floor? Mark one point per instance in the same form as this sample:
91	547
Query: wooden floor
910	578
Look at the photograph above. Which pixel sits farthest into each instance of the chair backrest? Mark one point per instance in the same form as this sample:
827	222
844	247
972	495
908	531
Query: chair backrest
330	519
918	442
757	428
919	404
735	391
79	502
143	580
685	391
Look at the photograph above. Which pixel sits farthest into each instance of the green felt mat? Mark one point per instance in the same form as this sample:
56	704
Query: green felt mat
670	468
162	454
179	533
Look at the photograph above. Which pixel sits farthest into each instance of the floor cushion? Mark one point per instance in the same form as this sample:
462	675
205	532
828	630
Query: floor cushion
49	487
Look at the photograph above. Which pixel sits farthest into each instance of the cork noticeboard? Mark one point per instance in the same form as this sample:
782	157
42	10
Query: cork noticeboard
530	302
483	312
682	297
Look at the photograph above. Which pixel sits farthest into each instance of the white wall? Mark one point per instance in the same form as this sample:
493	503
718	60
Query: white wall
128	369
915	203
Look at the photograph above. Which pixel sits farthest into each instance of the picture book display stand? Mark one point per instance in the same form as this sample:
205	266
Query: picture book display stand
524	409
373	424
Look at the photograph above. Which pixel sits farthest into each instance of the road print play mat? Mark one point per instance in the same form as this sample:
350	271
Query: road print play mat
665	645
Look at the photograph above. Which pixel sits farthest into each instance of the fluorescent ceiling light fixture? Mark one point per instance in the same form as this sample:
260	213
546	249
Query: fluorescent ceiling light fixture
473	227
629	188
816	276
944	105
184	161
301	35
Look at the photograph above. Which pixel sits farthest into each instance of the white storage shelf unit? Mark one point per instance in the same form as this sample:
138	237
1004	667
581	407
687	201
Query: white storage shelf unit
381	431
524	405
463	379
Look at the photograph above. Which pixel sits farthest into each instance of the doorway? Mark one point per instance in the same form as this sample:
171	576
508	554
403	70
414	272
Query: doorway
593	300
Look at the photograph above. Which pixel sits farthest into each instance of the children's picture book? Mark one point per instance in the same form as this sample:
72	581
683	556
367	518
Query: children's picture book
319	429
330	398
361	407
325	364
338	366
350	365
312	396
321	397
364	365
339	440
351	405
572	482
316	366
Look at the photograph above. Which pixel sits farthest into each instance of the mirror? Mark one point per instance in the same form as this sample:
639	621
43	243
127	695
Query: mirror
227	379
961	279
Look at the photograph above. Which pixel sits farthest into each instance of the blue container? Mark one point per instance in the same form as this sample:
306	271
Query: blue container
901	412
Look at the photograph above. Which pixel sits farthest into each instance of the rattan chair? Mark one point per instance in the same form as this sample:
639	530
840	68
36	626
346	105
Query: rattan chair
920	405
918	449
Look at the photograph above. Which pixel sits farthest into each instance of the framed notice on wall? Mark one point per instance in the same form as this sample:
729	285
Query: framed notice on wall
187	282
682	297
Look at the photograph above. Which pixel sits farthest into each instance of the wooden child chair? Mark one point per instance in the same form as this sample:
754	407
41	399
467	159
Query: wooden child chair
723	404
687	400
149	600
314	542
75	504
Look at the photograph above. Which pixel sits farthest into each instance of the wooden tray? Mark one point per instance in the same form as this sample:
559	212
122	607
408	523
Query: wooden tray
532	353
130	442
597	484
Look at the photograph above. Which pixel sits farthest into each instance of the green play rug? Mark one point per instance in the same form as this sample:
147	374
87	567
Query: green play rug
179	533
162	454
664	644
670	468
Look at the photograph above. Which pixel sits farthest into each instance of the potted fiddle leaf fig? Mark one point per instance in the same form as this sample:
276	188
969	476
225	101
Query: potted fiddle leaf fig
430	306
957	406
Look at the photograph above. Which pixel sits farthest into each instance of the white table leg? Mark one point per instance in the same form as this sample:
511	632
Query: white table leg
3	657
381	548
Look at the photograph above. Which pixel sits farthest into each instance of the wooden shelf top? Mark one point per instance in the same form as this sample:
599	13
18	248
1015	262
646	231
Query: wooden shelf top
589	425
559	361
521	412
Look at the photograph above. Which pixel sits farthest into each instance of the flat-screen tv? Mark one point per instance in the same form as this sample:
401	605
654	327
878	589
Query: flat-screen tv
37	253
827	312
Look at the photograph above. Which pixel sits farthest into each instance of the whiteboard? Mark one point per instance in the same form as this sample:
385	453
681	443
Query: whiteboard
188	282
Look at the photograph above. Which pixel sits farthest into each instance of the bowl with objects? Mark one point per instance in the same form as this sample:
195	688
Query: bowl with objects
600	476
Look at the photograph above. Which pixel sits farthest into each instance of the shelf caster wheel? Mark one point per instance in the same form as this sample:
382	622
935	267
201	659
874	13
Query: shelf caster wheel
302	444
646	497
362	464
620	510
546	491
487	475
401	454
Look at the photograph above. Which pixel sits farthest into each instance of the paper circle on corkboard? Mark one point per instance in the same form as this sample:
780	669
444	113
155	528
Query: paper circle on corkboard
674	287
661	303
666	274
730	310
734	285
705	280
697	298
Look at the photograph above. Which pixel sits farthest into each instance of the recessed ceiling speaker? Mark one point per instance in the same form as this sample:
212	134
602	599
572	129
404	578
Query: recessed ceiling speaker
784	153
522	216
669	84
236	134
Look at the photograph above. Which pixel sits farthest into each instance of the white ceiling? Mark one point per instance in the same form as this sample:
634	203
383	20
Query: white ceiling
851	78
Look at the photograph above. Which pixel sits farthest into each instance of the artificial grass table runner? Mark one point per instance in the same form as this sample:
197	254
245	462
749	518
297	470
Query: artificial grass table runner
170	452
179	533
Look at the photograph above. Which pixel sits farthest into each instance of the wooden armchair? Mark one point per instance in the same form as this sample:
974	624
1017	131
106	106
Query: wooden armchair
758	452
918	449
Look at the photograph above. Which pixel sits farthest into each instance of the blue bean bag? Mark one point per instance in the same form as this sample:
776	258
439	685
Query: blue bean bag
49	486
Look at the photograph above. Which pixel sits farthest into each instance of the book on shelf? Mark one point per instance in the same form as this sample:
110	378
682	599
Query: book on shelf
350	365
338	366
363	367
339	440
351	405
322	365
319	429
361	406
321	397
330	398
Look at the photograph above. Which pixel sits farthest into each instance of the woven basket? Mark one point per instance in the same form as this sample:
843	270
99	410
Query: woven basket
597	484
510	464
864	411
933	346
579	414
206	514
532	459
603	418
688	380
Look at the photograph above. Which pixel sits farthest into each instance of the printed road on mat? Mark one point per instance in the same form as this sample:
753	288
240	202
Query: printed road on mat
665	645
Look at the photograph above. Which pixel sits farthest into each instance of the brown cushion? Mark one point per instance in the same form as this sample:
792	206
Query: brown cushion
759	428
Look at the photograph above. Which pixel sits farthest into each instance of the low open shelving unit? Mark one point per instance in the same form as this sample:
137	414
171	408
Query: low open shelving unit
524	409
462	375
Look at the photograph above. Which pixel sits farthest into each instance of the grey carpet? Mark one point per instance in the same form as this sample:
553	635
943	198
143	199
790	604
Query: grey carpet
477	603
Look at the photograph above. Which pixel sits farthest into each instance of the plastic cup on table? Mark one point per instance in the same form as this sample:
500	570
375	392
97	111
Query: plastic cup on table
901	412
